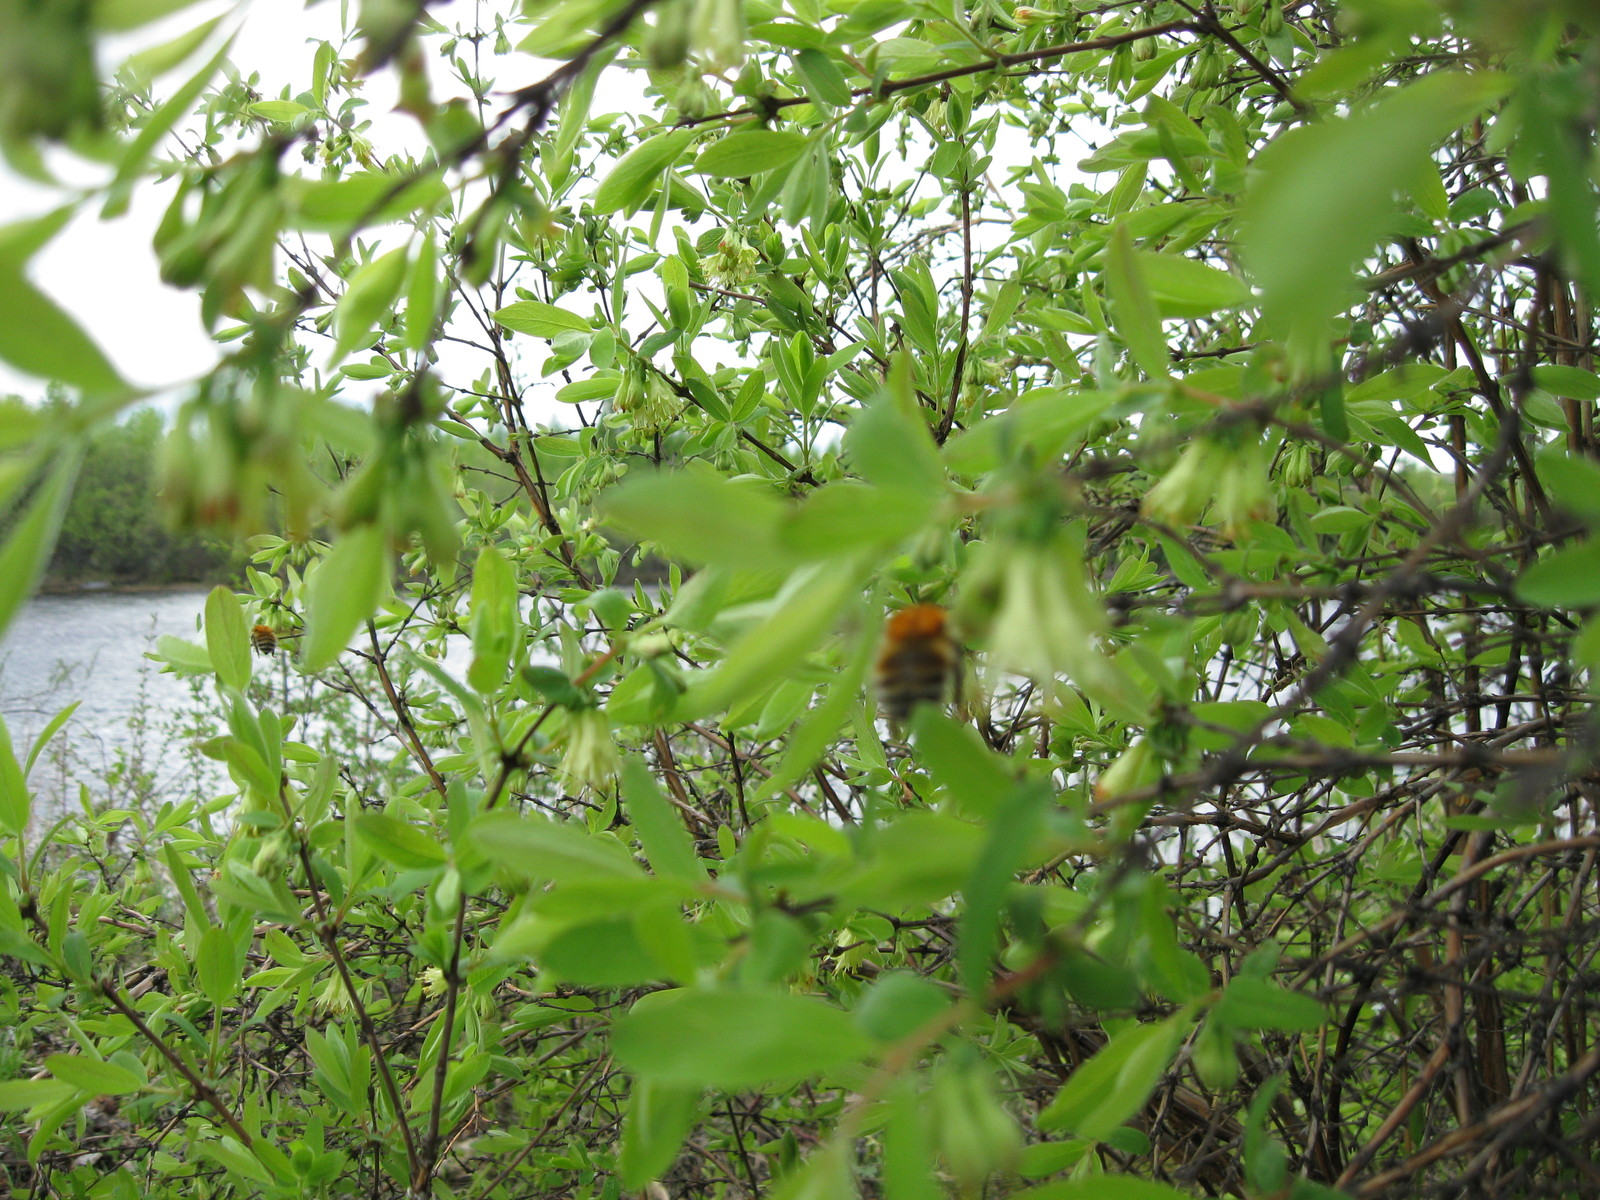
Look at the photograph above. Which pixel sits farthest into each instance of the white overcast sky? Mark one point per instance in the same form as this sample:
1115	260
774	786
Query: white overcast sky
105	273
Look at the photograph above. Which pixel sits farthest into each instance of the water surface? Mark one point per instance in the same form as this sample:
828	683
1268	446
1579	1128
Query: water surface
91	648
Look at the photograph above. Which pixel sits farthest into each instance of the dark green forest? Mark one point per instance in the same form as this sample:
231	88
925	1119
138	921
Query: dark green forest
114	530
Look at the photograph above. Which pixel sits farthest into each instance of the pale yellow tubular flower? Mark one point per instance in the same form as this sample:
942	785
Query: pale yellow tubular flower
591	759
719	34
1049	625
1181	495
1244	488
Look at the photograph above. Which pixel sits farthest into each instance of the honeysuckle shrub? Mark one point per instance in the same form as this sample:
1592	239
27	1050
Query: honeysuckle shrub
592	380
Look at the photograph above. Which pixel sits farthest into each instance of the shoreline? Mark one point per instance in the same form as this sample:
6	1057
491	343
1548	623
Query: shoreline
100	588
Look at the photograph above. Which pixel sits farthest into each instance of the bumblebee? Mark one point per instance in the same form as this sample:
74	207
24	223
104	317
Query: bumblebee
918	660
265	640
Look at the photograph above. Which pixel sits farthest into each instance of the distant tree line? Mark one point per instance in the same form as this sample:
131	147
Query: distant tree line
114	530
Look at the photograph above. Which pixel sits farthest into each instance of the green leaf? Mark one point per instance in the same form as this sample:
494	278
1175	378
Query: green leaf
152	63
767	652
888	446
217	965
1114	1084
920	858
909	56
367	198
660	829
399	842
899	1003
33	537
227	638
119	16
1340	518
1569	578
554	685
493	621
1017	821
344	591
184	657
975	778
422	294
810	738
540	320
1324	193
1185	288
16	802
822	77
1042	423
93	1075
750	152
701	517
656	1122
1133	308
280	111
52	727
690	1037
638	171
248	766
235	1160
1573	481
38	338
557	154
543	849
1171	968
846	516
1266	1165
367	300
1050	1158
910	1171
1571	382
1250	1002
20	1095
21	240
826	1174
604	953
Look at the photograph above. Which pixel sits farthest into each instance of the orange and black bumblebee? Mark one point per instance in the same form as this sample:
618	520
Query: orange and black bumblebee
265	640
918	662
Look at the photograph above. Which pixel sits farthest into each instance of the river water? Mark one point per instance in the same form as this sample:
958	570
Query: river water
91	648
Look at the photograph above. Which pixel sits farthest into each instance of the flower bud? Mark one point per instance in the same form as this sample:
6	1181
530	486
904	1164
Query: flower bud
1134	768
1295	466
695	98
1033	16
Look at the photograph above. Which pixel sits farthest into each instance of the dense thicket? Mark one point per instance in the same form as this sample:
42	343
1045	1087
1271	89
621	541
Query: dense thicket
1224	371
